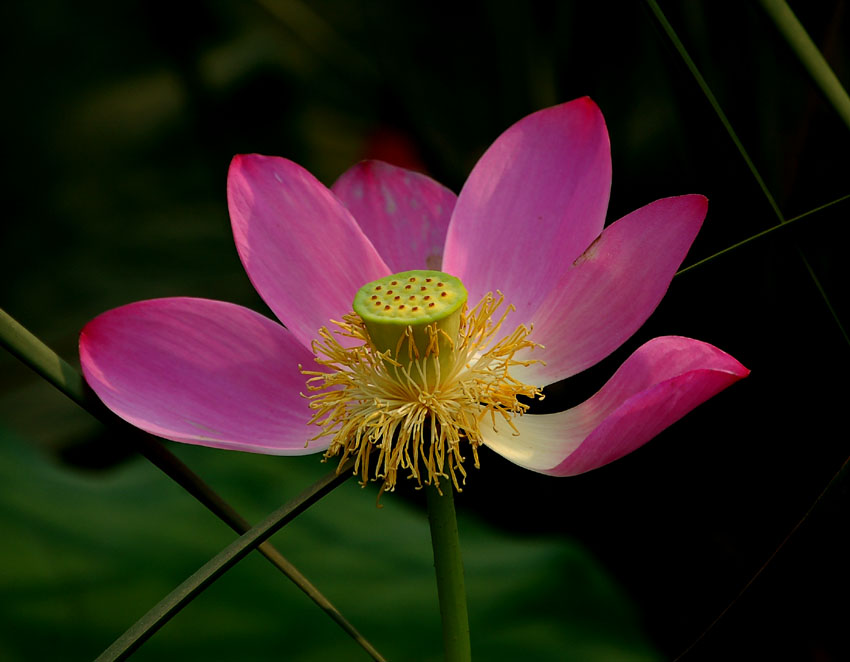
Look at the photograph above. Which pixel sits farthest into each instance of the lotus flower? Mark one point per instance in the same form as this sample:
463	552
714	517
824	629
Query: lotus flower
527	228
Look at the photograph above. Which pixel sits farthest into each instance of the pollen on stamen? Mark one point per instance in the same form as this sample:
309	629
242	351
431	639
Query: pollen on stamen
378	406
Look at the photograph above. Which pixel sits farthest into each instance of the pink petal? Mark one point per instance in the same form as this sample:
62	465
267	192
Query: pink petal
201	372
612	288
302	249
404	213
657	385
531	205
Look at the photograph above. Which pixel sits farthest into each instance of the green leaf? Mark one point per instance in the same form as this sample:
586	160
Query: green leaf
84	556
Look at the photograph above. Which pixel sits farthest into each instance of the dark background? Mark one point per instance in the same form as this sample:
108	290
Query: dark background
120	121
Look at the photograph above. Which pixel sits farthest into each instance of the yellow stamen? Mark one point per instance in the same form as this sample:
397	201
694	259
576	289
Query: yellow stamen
412	408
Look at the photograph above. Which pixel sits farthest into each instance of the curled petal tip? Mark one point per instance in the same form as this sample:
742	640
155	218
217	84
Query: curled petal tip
656	386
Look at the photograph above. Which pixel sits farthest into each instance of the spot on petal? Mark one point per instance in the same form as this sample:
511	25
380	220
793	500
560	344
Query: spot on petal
589	252
390	205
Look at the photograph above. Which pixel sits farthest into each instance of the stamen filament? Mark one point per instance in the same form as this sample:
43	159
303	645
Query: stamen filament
415	414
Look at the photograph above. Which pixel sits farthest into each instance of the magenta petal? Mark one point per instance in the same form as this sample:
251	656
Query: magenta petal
404	213
302	249
201	372
613	287
657	385
531	205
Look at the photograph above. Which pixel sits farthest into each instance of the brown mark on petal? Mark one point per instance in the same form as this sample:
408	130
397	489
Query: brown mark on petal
589	252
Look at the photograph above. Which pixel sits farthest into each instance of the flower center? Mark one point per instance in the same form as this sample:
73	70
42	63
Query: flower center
414	314
424	379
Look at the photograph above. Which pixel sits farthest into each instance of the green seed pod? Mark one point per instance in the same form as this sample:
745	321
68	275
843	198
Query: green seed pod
415	315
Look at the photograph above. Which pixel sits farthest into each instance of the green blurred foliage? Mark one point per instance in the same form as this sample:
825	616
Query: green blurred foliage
120	120
85	556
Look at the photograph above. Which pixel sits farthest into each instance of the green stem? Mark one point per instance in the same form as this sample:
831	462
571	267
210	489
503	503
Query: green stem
800	42
826	300
181	596
36	355
45	362
828	492
677	43
709	95
449	568
759	235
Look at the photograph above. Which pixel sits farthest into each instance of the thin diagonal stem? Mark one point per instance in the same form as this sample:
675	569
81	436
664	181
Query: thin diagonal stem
169	606
826	205
836	480
689	63
35	354
782	222
44	361
803	46
677	43
448	565
818	285
761	234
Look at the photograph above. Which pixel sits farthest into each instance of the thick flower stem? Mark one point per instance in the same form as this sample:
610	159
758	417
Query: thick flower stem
449	568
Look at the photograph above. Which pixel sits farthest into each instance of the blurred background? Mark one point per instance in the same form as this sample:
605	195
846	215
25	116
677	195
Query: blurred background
121	120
